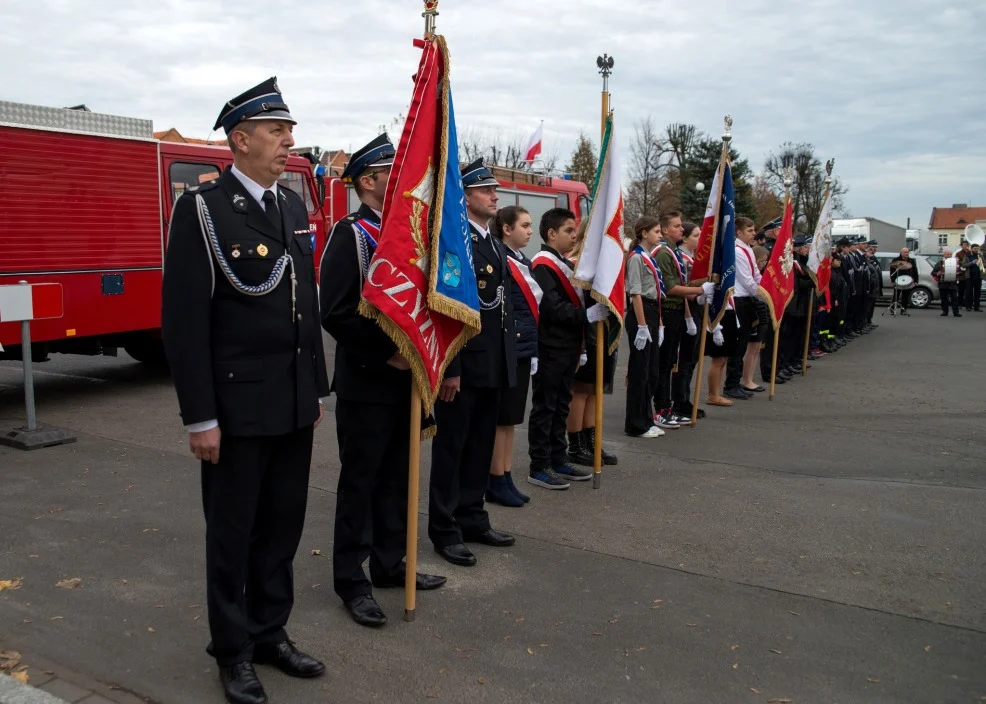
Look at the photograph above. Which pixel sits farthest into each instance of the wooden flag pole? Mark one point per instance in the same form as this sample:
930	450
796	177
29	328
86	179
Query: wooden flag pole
727	136
413	472
773	364
804	356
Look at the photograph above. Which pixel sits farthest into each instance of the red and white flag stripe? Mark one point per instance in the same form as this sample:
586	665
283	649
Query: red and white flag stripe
30	302
534	144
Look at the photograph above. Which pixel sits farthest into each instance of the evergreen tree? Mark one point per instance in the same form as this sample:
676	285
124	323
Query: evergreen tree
702	164
583	164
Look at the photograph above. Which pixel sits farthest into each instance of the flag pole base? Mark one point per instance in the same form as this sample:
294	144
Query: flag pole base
597	479
409	615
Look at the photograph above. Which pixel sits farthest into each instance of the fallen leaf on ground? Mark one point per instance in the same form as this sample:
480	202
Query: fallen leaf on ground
10	584
530	651
794	613
482	680
596	633
123	581
543	645
735	665
614	620
70	583
519	620
692	625
194	606
872	680
734	647
927	648
755	690
159	606
151	630
506	637
316	552
9	659
56	618
20	676
779	701
776	652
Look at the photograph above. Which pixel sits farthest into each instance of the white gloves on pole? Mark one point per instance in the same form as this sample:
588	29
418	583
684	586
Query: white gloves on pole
642	338
708	289
583	359
690	327
597	313
534	366
717	336
700	300
660	336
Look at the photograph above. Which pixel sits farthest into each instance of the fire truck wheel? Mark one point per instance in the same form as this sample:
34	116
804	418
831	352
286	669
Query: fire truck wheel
147	351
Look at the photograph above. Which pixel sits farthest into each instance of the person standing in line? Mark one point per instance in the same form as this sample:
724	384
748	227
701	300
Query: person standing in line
643	324
875	289
469	397
245	350
739	372
672	314
512	226
974	287
681	380
963	259
372	383
948	289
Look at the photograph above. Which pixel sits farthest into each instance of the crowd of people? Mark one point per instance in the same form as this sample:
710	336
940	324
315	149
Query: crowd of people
246	352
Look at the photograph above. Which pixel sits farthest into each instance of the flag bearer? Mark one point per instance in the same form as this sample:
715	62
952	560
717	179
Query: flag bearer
240	327
372	383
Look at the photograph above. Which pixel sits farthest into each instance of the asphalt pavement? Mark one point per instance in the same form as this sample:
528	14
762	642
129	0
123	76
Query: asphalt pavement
824	547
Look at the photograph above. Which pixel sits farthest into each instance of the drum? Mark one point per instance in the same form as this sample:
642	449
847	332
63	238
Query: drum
950	270
904	282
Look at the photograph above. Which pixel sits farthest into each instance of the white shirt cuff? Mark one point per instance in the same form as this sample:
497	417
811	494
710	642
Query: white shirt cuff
203	426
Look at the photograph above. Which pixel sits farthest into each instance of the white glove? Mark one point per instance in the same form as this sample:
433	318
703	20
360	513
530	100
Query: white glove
660	336
534	366
597	313
583	359
717	336
690	327
709	289
642	337
700	300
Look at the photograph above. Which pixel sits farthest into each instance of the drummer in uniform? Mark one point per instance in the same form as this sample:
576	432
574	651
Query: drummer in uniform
240	328
372	383
902	266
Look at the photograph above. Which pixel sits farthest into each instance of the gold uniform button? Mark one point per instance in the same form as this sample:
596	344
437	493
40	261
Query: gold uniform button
299	316
230	375
518	334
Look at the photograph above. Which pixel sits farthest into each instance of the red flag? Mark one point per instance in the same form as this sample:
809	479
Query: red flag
420	285
777	284
703	253
534	144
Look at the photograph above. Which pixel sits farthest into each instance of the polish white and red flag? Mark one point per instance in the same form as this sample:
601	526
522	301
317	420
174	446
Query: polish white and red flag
534	144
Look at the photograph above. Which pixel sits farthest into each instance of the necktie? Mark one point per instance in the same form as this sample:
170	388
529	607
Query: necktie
274	213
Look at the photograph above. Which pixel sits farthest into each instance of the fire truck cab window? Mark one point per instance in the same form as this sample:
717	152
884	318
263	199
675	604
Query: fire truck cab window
537	204
297	183
185	175
584	205
563	201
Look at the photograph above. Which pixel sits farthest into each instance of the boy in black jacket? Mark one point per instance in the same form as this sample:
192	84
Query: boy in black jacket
560	348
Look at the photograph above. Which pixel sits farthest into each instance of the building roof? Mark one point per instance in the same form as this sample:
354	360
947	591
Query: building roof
173	135
955	218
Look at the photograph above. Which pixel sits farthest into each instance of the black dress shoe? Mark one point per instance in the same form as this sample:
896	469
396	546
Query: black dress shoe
737	394
241	685
288	659
493	538
781	380
423	582
457	554
366	611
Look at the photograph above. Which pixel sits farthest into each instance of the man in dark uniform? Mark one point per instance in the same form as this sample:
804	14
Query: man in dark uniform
240	327
791	348
469	398
372	383
875	289
861	280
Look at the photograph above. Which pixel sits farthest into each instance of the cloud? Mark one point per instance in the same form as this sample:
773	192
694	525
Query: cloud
892	90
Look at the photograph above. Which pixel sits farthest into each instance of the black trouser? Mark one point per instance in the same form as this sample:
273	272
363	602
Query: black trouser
643	368
745	314
973	290
858	308
949	297
792	341
871	306
461	454
254	501
551	396
767	351
371	502
682	380
962	288
674	329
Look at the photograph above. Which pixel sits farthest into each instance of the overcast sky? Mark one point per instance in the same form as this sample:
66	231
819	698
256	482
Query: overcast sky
893	89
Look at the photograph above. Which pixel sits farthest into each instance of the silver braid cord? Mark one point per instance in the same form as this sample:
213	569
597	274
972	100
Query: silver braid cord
496	303
280	266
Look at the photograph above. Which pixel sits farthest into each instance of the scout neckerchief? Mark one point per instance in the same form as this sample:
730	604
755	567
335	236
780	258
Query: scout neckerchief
674	258
559	266
527	285
652	265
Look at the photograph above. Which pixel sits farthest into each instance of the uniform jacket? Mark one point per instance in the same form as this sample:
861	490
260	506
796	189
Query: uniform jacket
803	286
562	323
242	359
489	360
362	348
524	323
875	277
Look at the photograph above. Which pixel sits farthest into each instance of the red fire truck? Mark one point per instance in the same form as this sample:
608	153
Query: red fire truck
85	200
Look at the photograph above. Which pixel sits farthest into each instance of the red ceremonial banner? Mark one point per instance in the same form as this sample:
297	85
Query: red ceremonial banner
777	283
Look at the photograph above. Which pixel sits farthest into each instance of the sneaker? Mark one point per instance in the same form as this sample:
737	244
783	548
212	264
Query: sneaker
653	432
547	478
667	420
681	420
571	473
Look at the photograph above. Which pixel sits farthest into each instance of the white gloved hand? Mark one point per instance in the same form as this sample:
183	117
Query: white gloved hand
709	289
717	336
690	327
597	313
660	336
583	359
642	338
534	366
700	300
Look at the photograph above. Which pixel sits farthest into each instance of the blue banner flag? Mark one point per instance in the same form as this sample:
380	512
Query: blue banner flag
724	256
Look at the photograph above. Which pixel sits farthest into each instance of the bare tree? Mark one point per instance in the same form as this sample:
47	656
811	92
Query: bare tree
808	188
493	147
644	171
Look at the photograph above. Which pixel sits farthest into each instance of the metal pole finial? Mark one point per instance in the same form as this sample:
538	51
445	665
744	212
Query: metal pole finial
829	165
430	13
605	65
727	128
